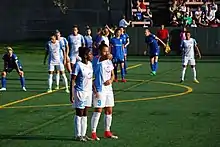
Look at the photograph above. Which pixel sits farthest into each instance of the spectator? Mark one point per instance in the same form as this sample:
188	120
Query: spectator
163	34
123	22
147	16
193	25
203	21
183	8
210	15
189	11
187	19
138	14
173	8
214	6
183	34
142	5
174	21
198	13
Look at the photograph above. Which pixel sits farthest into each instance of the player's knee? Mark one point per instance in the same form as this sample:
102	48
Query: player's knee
21	73
79	112
98	110
108	110
192	66
4	74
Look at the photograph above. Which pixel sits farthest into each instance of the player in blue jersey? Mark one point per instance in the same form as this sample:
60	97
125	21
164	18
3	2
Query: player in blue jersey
81	91
97	42
103	92
153	50
88	39
11	62
126	41
117	49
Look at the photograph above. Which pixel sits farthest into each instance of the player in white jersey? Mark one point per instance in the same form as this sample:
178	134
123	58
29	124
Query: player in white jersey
105	35
57	57
188	47
75	41
81	91
103	92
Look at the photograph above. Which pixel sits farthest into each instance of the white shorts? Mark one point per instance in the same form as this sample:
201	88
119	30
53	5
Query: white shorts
58	67
188	60
74	58
82	99
106	99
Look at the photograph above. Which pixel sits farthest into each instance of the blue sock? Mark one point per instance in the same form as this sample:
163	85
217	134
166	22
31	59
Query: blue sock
156	66
115	71
3	82
22	80
122	73
153	67
125	66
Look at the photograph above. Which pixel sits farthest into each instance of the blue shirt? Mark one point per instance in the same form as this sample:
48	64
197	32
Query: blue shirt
117	48
125	37
152	42
88	42
12	61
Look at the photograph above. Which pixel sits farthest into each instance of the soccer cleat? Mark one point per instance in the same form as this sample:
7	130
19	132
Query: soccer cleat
181	81
153	73
3	89
24	89
123	80
67	90
109	134
57	88
87	138
115	80
196	81
49	91
79	138
94	136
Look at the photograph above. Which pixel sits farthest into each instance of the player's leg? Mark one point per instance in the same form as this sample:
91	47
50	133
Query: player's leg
184	65
193	66
155	64
62	71
108	115
79	104
68	65
98	104
22	79
50	77
115	62
57	79
3	80
152	65
122	71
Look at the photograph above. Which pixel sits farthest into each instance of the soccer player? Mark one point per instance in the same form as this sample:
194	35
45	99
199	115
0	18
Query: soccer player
126	39
103	92
96	42
154	50
88	39
105	36
75	41
11	62
57	58
81	91
188	47
117	48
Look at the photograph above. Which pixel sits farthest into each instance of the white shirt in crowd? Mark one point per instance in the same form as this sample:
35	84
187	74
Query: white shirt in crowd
123	23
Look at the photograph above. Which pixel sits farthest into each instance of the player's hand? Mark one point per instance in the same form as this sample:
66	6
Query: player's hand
145	53
199	56
20	73
108	82
96	94
109	56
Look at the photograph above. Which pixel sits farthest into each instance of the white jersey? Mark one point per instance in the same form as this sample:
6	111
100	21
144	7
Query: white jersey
74	43
55	52
187	47
84	74
105	39
103	73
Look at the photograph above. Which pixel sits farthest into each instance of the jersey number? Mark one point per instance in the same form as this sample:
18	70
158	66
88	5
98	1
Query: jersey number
99	102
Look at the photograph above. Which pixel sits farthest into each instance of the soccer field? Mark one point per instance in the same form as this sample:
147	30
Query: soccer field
153	111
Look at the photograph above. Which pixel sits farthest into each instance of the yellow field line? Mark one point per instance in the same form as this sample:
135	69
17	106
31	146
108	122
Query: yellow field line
46	93
188	90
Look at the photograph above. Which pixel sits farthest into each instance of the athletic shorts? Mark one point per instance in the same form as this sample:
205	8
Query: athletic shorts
58	67
74	58
10	69
118	60
82	99
125	51
188	60
106	99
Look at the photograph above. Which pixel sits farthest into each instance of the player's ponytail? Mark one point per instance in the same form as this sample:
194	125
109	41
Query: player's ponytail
83	53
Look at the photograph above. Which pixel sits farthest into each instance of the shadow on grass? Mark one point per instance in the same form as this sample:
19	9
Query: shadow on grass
35	137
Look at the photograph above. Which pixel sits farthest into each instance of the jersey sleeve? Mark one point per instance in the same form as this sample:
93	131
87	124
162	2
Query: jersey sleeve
65	42
194	41
182	45
76	69
82	40
47	47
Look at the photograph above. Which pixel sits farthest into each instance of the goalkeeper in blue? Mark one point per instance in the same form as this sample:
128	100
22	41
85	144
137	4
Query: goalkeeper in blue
153	50
117	49
11	62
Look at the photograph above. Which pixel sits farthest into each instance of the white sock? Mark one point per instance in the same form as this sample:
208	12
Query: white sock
107	122
194	73
58	79
95	121
77	125
50	80
183	73
83	126
65	80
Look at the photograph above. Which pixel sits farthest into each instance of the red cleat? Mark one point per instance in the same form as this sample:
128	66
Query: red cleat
115	80
108	134
94	136
123	80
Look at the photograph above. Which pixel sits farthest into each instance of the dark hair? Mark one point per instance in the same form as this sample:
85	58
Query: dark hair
83	51
75	26
102	45
118	29
187	32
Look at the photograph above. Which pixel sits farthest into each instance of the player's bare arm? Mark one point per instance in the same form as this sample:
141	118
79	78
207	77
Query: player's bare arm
96	94
109	82
72	83
110	30
198	51
128	42
160	41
